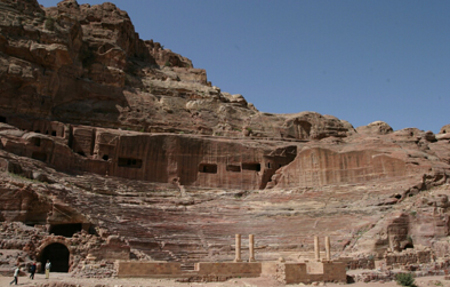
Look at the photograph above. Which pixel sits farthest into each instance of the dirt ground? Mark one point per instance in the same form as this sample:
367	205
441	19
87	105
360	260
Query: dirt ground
437	281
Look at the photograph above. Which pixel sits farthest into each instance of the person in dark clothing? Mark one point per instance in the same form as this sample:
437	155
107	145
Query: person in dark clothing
32	270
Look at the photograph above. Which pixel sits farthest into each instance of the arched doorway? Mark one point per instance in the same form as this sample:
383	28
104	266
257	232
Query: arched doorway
58	254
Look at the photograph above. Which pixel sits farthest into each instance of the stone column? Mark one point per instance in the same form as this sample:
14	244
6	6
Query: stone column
391	242
316	248
327	248
251	248
238	249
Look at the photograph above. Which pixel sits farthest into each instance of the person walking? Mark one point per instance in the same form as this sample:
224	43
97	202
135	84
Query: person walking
48	266
16	275
32	270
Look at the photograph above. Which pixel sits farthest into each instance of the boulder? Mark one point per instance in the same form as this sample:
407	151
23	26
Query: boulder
375	128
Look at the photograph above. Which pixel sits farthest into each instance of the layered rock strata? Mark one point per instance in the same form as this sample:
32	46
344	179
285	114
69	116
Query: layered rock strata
123	146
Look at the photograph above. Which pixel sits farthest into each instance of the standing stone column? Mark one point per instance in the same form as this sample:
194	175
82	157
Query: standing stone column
316	248
391	242
327	248
238	249
251	248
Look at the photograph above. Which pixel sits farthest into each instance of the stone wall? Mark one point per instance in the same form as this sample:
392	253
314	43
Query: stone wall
149	269
360	263
293	273
287	273
334	272
233	269
405	258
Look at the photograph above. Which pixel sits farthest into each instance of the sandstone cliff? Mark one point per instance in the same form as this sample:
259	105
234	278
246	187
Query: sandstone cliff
108	135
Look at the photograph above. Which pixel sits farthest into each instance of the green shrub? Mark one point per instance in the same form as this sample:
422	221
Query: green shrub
405	279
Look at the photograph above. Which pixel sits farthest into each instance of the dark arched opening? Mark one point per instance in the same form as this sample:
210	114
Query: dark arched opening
408	246
58	255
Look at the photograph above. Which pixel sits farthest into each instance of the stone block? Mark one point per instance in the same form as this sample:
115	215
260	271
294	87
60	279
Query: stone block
234	269
294	273
148	269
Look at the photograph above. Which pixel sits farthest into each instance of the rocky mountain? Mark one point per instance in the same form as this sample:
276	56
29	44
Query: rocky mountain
126	142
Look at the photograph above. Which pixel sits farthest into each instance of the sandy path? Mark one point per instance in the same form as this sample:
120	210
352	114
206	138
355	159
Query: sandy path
437	281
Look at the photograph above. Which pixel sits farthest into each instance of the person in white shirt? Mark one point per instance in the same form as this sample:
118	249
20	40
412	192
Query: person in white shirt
48	266
16	275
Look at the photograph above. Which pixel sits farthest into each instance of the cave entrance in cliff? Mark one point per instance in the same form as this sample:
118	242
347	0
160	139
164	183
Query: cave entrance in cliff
207	168
58	255
66	230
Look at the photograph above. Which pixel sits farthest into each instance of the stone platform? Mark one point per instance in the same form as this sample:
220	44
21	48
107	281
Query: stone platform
287	273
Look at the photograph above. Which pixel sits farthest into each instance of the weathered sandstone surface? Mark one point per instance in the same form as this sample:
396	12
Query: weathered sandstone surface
112	147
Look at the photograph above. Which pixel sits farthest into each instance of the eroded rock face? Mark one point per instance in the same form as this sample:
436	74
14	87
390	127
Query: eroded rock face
118	146
309	125
445	129
375	128
167	158
86	65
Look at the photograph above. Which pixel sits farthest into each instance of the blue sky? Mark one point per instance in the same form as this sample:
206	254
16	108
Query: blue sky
360	61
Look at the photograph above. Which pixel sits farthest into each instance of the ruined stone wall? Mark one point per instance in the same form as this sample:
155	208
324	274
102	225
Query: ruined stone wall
294	273
334	272
361	263
148	269
234	269
405	258
314	267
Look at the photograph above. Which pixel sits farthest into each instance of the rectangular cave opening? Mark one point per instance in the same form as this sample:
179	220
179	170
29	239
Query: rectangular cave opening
207	168
234	168
129	162
66	230
251	166
39	156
